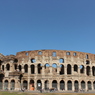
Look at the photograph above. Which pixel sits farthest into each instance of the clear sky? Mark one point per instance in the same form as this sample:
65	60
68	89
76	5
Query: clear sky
47	24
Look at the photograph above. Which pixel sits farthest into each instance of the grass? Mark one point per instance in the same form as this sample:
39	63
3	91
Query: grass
24	93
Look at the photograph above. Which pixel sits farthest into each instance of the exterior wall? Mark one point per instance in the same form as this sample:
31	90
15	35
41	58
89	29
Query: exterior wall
71	70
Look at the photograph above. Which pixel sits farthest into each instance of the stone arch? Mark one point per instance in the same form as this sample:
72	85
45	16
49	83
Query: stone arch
47	68
39	84
20	67
89	85
69	85
81	69
54	68
62	85
39	66
1	81
76	68
76	85
88	70
3	67
54	84
94	85
26	68
46	84
25	83
93	70
32	69
61	69
6	85
82	84
31	84
61	60
8	67
33	60
69	71
12	84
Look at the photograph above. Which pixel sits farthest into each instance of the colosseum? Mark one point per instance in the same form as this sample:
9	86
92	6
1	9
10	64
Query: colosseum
38	69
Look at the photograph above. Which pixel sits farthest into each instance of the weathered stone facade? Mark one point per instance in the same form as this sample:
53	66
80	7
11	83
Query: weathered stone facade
61	69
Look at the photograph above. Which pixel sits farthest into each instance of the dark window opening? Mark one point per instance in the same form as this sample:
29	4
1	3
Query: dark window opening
87	62
75	54
54	54
33	60
67	53
61	60
39	53
26	54
87	57
8	67
15	60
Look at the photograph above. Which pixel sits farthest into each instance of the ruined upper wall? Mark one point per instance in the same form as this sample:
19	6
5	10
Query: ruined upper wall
59	53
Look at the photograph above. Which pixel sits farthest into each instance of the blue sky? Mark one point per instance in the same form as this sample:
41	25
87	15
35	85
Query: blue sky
47	24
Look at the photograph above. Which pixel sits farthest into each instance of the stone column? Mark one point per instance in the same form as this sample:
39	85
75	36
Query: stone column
79	85
58	70
16	85
50	69
58	85
43	70
73	88
22	69
28	84
9	85
66	85
78	70
72	70
91	71
35	84
86	86
3	85
65	67
36	71
43	84
50	84
29	70
92	85
85	70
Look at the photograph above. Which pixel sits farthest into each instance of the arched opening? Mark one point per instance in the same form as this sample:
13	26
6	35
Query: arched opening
94	85
89	85
76	85
39	85
15	60
54	84
75	68
46	85
62	85
39	68
68	69
82	85
32	69
25	84
69	85
54	68
87	62
81	69
61	60
6	85
47	70
3	67
93	71
33	60
31	84
20	68
26	68
12	86
54	54
61	69
88	70
8	67
1	81
15	66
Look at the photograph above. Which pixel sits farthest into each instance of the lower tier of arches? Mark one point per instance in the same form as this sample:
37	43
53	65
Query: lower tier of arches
47	84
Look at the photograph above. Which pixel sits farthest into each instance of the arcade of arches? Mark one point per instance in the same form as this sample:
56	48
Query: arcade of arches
34	72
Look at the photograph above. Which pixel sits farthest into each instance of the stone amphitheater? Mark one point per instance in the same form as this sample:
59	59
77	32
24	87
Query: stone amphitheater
46	69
